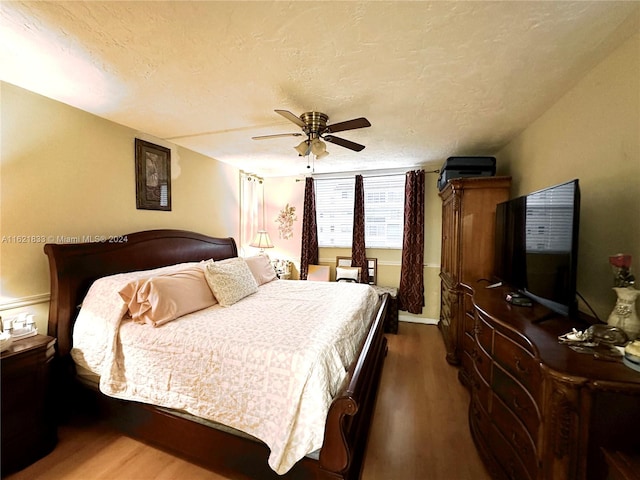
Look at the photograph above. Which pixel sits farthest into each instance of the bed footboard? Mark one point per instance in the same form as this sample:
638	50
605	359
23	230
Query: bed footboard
350	414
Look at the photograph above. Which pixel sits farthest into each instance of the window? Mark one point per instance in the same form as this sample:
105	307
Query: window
383	211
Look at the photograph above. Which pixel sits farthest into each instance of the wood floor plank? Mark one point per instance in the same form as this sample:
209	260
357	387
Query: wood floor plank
419	430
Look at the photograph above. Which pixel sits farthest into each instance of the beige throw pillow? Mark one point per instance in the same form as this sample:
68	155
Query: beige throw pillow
230	280
162	298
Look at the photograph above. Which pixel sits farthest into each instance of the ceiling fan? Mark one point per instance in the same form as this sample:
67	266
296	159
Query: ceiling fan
314	127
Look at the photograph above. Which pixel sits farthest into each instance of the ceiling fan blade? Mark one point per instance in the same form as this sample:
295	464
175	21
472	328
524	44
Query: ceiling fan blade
276	135
291	117
343	143
348	125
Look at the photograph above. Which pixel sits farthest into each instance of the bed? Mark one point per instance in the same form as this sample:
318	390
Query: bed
75	267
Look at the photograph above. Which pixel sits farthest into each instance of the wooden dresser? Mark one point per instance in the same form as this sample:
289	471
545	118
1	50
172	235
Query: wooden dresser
538	409
468	224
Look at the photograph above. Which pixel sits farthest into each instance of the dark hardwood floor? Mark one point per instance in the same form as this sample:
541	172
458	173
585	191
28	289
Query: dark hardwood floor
419	429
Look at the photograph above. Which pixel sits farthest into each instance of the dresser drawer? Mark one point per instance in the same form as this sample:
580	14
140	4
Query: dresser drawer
484	333
482	362
480	389
507	458
469	323
515	433
480	419
517	399
468	344
519	363
466	367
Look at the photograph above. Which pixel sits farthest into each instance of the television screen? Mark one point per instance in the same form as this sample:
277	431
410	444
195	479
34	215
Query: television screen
537	245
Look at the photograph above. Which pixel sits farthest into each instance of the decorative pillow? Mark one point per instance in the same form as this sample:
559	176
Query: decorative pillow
162	298
261	268
230	280
350	274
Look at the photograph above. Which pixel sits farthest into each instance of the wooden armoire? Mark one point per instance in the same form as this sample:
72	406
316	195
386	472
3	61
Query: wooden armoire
468	225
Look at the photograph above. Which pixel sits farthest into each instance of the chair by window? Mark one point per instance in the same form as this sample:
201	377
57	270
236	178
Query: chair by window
318	273
372	264
348	274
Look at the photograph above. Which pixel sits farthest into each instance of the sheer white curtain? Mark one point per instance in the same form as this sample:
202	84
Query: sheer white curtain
251	195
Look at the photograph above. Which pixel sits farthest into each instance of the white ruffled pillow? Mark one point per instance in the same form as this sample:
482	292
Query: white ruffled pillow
230	280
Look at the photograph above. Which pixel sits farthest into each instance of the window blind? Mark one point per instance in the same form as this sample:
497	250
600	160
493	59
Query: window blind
383	205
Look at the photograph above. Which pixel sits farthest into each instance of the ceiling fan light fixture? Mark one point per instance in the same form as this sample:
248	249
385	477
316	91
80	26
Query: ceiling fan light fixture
302	148
318	148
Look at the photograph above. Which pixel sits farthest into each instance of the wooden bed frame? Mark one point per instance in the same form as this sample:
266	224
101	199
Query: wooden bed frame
74	267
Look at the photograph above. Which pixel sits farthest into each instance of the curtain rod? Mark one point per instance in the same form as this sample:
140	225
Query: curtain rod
251	176
386	173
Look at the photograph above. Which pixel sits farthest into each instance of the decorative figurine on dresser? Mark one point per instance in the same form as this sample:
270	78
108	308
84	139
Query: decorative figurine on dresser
468	224
28	424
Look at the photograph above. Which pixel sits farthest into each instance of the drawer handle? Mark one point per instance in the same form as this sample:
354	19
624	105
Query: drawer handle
520	367
517	405
476	356
520	446
476	412
475	384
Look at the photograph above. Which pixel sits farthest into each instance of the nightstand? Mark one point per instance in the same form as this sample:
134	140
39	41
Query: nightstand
28	424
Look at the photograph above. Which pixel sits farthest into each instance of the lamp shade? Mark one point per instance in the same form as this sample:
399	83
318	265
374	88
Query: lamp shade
318	147
261	240
302	148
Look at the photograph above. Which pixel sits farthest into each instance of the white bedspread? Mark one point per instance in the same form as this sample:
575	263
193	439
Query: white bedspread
268	365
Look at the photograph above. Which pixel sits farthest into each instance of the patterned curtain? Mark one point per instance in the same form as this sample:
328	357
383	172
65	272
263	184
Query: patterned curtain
309	254
411	291
358	252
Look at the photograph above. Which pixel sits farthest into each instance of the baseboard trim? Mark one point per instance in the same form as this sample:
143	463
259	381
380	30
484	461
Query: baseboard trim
413	319
25	301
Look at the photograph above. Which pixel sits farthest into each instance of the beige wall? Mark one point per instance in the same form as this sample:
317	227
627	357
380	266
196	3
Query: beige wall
67	173
593	134
280	191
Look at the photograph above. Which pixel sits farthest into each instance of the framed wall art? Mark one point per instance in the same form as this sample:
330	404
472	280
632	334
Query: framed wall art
153	176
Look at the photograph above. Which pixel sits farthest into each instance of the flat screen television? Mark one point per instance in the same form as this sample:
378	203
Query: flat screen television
537	245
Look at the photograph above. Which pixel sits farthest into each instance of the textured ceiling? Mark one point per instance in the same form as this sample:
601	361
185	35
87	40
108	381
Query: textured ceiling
435	79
